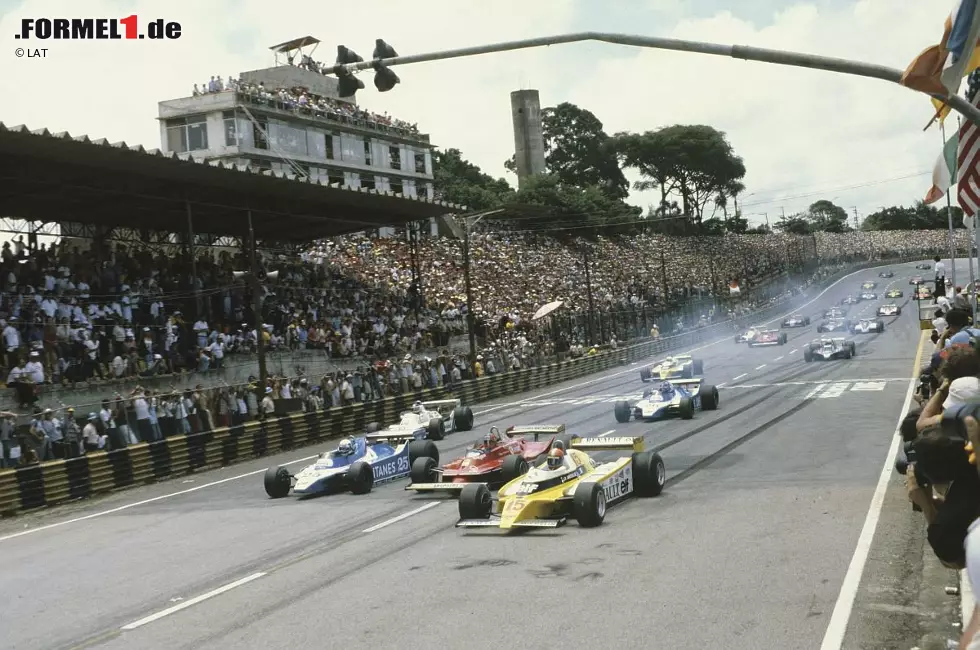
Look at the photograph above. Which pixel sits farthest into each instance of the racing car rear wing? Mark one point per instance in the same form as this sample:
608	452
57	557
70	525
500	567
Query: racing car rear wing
694	381
391	436
634	443
536	430
436	487
437	403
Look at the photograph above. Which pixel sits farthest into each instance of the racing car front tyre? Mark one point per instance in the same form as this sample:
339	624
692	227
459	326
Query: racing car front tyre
649	474
622	411
709	398
372	427
360	478
436	429
808	355
698	366
422	449
783	338
475	501
645	375
686	408
277	482
881	326
463	418
512	467
422	470
589	502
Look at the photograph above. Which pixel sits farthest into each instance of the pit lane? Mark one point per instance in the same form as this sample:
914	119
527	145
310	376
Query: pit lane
765	500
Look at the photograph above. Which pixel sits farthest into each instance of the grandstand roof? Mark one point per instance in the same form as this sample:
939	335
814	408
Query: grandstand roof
52	177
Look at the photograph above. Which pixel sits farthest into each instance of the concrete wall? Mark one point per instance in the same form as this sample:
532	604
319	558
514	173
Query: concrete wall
290	76
525	106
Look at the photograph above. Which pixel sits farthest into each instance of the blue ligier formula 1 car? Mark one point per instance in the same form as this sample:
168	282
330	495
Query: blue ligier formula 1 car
357	464
672	398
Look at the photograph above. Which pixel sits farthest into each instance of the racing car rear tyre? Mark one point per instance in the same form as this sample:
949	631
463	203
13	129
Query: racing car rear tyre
645	374
709	397
436	429
622	411
881	326
277	482
422	470
589	502
808	355
475	501
698	367
463	418
649	474
686	408
422	449
360	478
688	372
372	427
783	338
512	467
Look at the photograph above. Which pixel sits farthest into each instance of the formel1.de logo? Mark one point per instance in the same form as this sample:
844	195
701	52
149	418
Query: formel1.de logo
81	29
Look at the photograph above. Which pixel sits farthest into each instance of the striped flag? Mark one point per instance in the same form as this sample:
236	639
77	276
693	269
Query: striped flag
939	69
945	170
968	154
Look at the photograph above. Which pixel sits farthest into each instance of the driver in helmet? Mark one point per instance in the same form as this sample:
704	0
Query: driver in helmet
492	439
417	408
556	457
667	390
346	447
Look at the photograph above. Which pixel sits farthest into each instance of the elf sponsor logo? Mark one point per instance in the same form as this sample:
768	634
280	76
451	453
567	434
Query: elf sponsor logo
619	484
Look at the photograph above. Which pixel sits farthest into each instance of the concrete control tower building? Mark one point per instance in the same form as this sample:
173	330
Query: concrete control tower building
290	118
525	107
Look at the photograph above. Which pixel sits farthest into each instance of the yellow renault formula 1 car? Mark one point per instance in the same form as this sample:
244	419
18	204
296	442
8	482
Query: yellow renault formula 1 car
678	366
570	483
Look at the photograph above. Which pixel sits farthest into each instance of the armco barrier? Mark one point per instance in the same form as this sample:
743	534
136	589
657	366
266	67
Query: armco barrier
59	481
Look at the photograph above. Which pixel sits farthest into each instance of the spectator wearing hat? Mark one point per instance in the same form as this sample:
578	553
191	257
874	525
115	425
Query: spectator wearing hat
92	439
8	439
53	444
142	407
268	407
153	404
107	418
72	435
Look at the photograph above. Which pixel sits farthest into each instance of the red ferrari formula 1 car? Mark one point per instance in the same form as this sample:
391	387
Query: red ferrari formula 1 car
495	460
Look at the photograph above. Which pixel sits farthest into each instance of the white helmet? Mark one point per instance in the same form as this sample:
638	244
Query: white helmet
417	408
346	447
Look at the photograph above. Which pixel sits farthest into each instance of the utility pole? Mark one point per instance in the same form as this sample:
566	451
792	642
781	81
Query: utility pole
588	289
468	223
257	307
856	222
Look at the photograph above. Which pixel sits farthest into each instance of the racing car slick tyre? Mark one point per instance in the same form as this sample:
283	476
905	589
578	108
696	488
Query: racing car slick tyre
881	326
360	478
645	375
422	470
847	353
436	429
686	408
475	501
622	411
738	339
688	372
649	474
372	427
277	482
820	328
806	321
783	338
512	467
589	504
808	355
698	366
422	449
709	397
463	418
853	349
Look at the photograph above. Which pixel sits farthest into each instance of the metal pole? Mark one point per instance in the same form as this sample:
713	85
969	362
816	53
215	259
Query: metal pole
588	289
745	52
470	316
193	253
257	306
949	218
974	253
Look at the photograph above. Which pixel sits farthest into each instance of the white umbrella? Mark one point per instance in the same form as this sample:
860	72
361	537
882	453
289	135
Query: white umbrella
547	309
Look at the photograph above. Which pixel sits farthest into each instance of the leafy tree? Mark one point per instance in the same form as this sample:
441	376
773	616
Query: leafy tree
546	204
761	229
457	180
825	216
916	217
696	162
794	224
577	151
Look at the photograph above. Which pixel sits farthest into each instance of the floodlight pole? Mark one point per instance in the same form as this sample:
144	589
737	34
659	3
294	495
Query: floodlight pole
748	53
253	280
468	222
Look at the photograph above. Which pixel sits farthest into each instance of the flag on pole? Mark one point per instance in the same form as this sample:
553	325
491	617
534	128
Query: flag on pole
942	108
945	170
968	154
939	69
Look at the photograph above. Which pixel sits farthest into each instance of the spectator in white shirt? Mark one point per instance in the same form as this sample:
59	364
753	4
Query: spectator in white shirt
34	368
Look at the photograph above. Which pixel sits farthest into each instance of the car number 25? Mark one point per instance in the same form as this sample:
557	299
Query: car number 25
403	465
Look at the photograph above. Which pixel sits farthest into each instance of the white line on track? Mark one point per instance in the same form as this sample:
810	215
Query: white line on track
484	411
760	367
834	637
191	602
603	435
792	351
744	374
401	517
779	358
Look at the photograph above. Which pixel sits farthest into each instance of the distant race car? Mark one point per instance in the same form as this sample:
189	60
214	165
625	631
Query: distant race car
829	348
869	295
494	460
867	326
925	266
835	312
749	334
894	293
850	300
916	279
923	292
436	418
834	325
670	399
886	274
357	464
890	309
797	320
681	365
570	483
868	286
769	337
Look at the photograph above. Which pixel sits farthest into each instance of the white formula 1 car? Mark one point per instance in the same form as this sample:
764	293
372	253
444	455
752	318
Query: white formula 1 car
436	417
889	310
867	326
829	348
672	398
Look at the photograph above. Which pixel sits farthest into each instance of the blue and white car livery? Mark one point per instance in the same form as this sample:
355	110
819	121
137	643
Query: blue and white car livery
434	419
671	398
357	464
869	295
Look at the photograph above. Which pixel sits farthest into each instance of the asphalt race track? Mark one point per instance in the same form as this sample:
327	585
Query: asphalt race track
748	546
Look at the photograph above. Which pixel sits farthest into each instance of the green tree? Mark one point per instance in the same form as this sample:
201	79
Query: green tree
546	204
916	217
695	161
577	151
795	224
457	180
825	216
